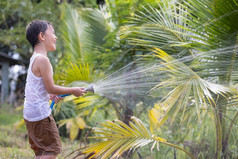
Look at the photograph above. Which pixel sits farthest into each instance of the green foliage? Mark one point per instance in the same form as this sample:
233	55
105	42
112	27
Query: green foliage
73	125
71	33
121	138
198	110
82	31
74	73
119	10
62	112
199	28
15	15
184	83
177	29
156	27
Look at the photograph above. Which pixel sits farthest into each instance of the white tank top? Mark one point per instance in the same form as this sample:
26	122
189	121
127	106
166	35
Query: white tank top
36	104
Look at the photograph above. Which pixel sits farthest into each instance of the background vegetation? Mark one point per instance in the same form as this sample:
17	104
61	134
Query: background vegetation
191	107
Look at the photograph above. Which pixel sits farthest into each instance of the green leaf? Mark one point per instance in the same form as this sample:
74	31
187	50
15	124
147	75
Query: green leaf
184	84
121	138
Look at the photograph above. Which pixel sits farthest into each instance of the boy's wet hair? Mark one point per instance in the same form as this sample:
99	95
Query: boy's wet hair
34	28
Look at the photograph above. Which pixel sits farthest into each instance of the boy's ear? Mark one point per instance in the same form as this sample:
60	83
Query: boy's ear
41	36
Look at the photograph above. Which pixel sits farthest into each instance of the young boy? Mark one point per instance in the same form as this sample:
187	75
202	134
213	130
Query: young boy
43	134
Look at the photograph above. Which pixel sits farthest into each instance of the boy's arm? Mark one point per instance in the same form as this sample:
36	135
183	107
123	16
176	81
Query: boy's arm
44	66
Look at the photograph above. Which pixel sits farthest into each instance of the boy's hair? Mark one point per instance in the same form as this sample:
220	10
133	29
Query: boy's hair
34	28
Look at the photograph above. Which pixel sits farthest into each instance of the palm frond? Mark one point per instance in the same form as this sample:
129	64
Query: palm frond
89	100
82	31
185	85
210	23
76	72
119	138
96	27
73	27
156	28
73	125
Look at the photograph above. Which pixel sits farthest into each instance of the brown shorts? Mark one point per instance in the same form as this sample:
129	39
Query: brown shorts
44	136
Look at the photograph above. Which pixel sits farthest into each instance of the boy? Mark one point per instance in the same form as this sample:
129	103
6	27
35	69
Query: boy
43	134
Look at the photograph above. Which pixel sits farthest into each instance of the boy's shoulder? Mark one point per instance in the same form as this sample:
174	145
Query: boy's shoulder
42	60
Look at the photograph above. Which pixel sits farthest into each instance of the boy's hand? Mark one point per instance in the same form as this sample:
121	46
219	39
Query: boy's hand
78	91
55	97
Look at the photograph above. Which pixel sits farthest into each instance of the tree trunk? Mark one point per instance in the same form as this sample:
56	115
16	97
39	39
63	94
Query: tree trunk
127	118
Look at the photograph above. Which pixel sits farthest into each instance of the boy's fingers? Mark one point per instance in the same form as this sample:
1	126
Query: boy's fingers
52	96
57	99
82	90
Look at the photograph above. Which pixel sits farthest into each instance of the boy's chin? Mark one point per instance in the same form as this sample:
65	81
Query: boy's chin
52	49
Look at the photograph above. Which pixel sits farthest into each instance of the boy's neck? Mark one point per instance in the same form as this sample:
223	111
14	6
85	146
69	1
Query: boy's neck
39	49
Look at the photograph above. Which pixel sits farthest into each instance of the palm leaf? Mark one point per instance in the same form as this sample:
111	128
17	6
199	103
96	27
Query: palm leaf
73	125
211	29
156	28
90	100
184	84
76	72
83	31
119	138
72	29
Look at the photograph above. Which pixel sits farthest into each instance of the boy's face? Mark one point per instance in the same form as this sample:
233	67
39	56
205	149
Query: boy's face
50	39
